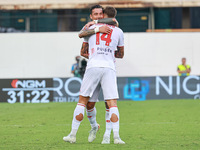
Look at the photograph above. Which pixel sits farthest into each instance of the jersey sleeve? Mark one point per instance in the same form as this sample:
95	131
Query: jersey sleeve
121	38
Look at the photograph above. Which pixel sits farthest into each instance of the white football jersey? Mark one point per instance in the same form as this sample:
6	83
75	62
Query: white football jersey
102	47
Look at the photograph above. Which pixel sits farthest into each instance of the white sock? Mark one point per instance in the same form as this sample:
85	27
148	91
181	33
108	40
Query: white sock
115	125
80	108
108	124
91	114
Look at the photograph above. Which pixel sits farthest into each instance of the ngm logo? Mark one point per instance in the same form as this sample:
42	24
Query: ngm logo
136	89
28	83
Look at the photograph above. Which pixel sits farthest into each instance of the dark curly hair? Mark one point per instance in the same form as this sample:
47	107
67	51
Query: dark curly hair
96	6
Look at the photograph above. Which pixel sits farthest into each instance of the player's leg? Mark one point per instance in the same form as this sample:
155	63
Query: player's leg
89	83
91	114
108	123
90	108
110	92
77	119
114	118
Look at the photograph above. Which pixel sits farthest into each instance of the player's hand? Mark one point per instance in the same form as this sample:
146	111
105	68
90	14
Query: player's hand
89	24
117	23
104	29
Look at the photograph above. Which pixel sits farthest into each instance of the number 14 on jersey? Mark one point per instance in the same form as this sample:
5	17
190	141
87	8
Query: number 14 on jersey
104	38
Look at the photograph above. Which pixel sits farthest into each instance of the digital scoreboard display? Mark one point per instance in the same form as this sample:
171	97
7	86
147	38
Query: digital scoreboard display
27	90
40	90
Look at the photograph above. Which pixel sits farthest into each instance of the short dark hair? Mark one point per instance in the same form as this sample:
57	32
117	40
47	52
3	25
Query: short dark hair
110	11
95	6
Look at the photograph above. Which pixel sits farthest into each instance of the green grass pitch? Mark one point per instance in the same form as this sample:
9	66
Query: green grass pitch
148	125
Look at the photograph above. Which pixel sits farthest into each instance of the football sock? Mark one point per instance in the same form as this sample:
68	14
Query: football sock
91	114
80	109
108	124
115	125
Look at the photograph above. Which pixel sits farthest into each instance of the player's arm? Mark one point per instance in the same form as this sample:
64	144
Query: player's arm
110	21
84	50
120	52
103	29
85	33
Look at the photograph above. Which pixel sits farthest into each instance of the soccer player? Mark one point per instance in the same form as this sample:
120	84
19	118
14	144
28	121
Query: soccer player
100	69
109	18
97	15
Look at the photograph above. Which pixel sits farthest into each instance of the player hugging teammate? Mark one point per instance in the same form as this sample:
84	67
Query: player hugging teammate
102	44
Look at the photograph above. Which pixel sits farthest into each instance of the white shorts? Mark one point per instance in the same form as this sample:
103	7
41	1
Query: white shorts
95	95
96	78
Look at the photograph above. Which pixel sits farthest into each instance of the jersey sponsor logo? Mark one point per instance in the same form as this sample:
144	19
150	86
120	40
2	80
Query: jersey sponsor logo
102	50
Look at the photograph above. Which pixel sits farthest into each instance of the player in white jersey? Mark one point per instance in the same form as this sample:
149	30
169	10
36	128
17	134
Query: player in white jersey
91	110
100	68
96	14
102	49
90	107
112	13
